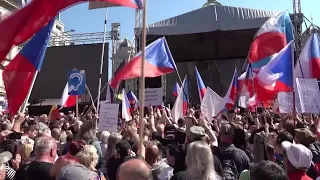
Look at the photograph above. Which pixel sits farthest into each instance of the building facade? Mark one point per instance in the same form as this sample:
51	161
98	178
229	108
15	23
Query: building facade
122	55
7	7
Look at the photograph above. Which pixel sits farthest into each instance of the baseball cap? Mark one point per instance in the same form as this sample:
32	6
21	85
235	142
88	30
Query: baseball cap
122	148
76	171
196	133
298	155
226	129
305	136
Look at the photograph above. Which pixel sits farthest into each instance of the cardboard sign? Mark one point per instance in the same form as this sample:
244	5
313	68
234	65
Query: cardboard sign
308	92
108	117
153	97
286	103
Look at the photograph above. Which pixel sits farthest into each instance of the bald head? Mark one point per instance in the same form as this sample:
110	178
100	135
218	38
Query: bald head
152	154
134	169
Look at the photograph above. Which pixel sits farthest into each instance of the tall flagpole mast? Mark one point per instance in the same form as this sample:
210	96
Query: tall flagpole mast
142	78
102	58
24	105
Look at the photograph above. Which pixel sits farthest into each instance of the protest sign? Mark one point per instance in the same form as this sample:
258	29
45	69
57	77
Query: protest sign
286	104
212	104
153	97
308	91
108	117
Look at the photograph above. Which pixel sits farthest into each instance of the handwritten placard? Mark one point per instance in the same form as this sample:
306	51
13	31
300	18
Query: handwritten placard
308	92
286	103
108	117
153	97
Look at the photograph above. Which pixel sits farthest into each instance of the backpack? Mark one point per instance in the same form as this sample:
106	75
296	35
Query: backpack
230	171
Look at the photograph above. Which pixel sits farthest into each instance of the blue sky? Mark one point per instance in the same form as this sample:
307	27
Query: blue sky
83	20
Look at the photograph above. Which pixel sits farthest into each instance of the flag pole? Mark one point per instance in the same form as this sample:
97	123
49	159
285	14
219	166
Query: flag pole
24	105
294	113
142	78
102	59
77	108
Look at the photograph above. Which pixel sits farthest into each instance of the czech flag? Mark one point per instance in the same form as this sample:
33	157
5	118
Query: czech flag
277	75
67	100
308	65
19	74
158	62
111	3
231	95
271	38
25	22
110	95
201	87
246	82
125	107
180	106
133	100
176	89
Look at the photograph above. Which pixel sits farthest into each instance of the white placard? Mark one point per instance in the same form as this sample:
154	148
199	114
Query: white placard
286	103
108	120
308	92
212	104
153	97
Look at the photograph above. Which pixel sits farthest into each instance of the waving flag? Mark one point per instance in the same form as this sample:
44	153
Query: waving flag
308	65
212	104
110	95
133	100
104	4
180	106
201	87
66	99
125	107
158	62
25	22
277	75
271	38
176	89
19	74
231	95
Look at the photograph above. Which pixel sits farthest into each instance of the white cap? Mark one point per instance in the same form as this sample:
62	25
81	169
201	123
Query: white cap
298	155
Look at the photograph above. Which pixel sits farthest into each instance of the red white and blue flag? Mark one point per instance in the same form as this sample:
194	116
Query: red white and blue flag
277	75
27	21
126	115
271	38
231	95
67	100
201	87
308	65
19	74
176	89
158	62
180	106
133	100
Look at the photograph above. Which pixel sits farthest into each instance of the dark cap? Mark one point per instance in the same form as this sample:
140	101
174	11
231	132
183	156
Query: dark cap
226	129
169	129
122	148
196	133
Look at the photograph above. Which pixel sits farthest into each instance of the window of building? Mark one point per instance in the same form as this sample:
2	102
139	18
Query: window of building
58	28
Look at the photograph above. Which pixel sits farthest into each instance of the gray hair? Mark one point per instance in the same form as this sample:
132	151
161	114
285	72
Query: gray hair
44	144
199	161
113	139
104	137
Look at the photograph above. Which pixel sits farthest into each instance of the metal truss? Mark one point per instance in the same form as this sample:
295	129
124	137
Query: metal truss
297	21
65	39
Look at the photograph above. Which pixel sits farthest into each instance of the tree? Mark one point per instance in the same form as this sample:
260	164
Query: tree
212	3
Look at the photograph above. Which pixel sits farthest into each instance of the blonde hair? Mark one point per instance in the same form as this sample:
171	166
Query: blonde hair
113	139
199	161
104	137
26	150
88	157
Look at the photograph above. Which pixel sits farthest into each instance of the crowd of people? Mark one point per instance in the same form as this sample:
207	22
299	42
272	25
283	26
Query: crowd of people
232	146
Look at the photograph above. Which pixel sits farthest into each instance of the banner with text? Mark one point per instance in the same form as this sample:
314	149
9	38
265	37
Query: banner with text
286	104
108	117
308	92
153	97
